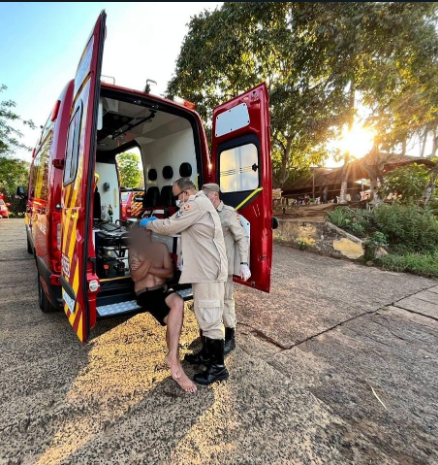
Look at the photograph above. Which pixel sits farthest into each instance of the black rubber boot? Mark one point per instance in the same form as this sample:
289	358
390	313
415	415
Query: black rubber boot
217	371
230	342
200	358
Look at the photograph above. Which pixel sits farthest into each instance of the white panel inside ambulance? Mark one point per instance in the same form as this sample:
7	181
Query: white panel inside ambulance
109	192
168	151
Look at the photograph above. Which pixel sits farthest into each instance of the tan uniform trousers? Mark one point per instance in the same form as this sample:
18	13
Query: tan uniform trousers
229	307
209	306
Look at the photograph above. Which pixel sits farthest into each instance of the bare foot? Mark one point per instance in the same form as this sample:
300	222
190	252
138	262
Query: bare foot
180	377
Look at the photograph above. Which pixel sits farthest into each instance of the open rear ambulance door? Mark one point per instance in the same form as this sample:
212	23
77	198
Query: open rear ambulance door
241	159
77	262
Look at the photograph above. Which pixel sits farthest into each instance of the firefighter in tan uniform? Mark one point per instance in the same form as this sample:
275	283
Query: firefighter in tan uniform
236	242
204	266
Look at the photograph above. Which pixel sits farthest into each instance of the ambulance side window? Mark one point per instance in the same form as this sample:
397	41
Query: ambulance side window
41	164
239	168
71	155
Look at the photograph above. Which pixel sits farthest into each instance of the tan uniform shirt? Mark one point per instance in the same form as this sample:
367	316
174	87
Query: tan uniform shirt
202	240
236	239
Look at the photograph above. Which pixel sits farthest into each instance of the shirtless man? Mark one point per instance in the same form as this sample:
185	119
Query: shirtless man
150	266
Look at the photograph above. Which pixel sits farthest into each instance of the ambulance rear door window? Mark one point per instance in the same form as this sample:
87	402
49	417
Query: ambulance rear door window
71	156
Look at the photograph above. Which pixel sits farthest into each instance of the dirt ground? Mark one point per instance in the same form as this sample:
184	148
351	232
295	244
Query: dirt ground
337	365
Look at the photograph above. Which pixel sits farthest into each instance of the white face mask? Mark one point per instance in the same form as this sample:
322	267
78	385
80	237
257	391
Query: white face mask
180	203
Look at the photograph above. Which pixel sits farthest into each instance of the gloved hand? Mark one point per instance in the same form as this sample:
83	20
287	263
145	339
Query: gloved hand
143	222
245	274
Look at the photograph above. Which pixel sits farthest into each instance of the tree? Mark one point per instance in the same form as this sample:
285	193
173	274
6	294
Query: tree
407	181
9	136
322	62
240	45
129	172
381	56
13	173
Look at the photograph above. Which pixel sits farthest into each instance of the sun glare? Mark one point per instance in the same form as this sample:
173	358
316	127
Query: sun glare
358	142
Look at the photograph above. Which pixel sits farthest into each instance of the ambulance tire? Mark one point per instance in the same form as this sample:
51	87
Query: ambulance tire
43	301
29	247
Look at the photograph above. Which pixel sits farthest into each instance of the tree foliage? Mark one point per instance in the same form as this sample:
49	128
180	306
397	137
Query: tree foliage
129	171
13	171
9	136
407	181
324	63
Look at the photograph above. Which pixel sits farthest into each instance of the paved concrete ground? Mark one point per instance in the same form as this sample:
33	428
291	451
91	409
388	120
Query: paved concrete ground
337	365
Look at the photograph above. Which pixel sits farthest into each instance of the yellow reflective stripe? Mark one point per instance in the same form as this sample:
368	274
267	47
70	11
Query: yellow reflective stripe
250	196
73	233
76	282
114	279
80	331
72	317
66	309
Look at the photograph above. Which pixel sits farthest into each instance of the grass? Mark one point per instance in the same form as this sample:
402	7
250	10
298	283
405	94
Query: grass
408	231
423	264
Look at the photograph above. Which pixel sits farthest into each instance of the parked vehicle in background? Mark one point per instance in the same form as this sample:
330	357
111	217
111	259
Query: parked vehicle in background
131	208
4	212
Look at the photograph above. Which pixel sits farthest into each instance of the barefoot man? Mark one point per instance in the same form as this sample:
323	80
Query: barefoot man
150	266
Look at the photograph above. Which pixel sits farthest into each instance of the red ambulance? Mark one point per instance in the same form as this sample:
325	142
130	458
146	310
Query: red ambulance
73	218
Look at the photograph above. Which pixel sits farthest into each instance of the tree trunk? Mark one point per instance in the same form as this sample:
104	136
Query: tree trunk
428	193
423	141
403	148
435	142
285	171
373	188
344	183
346	167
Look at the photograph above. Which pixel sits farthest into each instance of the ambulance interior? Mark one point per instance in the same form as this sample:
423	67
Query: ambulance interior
168	151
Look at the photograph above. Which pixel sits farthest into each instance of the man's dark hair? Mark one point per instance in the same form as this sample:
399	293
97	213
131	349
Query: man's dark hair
185	184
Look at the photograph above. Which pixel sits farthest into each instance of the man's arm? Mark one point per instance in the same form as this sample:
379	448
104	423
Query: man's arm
139	269
167	270
178	222
239	234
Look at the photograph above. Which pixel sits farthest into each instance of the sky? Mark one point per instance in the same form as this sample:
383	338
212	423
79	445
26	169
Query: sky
41	43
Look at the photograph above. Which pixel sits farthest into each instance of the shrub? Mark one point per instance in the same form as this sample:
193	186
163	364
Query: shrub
432	206
354	221
373	243
340	216
407	226
407	181
357	229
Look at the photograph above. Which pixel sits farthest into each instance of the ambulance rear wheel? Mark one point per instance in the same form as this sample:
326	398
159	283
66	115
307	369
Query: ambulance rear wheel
43	301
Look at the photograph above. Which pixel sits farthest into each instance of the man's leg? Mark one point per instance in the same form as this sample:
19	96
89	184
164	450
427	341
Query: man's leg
174	321
201	357
208	304
229	315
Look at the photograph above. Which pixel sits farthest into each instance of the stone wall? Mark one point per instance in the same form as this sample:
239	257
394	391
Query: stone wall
320	237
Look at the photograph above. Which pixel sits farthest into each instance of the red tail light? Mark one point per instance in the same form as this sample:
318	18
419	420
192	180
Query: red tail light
58	236
54	279
189	105
185	103
55	110
55	241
